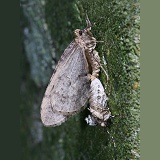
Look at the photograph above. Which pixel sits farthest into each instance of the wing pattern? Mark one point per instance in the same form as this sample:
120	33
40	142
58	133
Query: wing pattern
69	87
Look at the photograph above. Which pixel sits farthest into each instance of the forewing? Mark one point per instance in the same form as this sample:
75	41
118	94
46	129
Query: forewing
48	117
69	86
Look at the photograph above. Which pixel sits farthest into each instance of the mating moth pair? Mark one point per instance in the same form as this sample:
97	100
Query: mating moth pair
74	81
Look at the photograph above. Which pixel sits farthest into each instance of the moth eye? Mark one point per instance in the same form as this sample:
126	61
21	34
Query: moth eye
80	32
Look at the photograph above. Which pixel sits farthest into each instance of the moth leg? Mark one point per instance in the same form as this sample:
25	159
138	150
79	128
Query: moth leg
107	78
89	76
96	65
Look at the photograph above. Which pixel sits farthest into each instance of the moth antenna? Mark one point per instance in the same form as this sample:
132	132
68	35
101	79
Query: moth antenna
100	41
107	78
89	25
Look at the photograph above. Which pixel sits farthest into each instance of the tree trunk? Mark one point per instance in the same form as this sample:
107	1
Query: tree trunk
117	23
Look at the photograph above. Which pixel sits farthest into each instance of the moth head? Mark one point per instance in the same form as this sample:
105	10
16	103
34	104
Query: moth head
78	32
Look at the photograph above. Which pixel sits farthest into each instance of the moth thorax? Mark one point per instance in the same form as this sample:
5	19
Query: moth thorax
90	42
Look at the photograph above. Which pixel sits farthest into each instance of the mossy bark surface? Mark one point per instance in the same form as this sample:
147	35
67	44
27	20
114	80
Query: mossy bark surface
117	23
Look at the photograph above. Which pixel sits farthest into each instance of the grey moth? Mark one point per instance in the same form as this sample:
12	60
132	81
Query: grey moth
69	86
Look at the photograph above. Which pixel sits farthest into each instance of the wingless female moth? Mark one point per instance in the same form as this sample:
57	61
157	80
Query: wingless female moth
69	86
98	105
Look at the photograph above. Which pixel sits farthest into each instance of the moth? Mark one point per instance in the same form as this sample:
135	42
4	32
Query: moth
69	86
100	113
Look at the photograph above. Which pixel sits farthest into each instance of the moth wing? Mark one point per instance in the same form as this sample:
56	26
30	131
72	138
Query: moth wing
69	86
48	117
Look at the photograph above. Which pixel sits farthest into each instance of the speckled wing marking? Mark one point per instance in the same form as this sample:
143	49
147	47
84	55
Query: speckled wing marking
71	84
48	117
69	87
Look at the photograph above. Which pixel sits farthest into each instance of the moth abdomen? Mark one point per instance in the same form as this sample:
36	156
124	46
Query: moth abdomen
98	104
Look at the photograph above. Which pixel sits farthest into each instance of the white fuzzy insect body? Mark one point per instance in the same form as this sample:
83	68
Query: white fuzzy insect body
98	104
